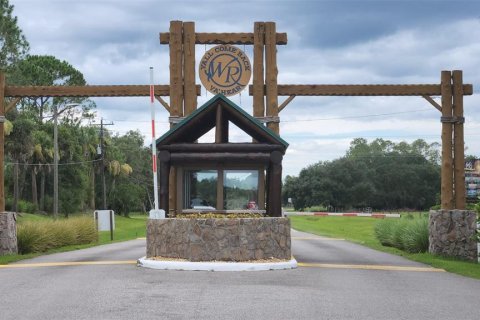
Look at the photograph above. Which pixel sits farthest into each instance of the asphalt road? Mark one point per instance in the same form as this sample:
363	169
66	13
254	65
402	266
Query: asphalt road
335	280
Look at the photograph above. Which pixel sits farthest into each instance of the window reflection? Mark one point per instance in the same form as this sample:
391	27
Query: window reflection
240	189
200	189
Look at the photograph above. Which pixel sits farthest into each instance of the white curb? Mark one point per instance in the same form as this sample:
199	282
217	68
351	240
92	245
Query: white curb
215	266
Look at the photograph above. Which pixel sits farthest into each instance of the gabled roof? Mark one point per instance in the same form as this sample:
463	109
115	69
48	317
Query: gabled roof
204	119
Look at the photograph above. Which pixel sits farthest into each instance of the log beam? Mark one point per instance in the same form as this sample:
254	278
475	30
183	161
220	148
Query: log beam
196	158
258	78
363	90
271	72
88	91
163	103
433	103
458	141
12	104
225	38
447	159
176	69
222	147
190	97
286	102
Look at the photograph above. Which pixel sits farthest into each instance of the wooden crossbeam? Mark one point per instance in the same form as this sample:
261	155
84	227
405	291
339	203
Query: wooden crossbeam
363	90
12	104
88	91
433	103
224	38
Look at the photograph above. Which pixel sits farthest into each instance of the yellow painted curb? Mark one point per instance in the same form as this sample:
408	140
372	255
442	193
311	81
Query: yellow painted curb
368	267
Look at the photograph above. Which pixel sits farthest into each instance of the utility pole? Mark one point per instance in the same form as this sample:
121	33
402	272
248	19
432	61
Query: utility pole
102	149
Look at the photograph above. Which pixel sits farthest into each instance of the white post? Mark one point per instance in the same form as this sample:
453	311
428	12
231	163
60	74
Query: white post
154	146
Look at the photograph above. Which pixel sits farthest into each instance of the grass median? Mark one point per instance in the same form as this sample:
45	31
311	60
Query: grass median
361	230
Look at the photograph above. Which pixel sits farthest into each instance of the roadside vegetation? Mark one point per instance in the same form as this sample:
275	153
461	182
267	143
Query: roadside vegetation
40	234
410	235
362	230
382	175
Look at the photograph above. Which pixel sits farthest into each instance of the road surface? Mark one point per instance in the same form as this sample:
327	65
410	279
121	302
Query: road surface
336	279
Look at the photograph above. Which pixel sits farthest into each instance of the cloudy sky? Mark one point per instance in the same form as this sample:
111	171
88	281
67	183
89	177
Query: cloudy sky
329	42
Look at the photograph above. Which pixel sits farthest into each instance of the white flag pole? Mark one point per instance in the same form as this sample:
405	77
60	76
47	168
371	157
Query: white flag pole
154	145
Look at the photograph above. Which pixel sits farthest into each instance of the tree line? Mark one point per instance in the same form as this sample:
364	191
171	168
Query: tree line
29	145
380	174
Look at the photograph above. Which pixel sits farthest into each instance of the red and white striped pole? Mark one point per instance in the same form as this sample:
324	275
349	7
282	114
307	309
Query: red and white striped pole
154	144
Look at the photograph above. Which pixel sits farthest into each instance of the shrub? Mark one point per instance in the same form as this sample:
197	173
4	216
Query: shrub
415	237
25	206
40	236
410	235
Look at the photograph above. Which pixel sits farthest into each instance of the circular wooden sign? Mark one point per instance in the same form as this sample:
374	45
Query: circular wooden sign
225	69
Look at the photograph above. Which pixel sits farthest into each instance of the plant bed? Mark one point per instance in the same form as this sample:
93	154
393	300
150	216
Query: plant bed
219	239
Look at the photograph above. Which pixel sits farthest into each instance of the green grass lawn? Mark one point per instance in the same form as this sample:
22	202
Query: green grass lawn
125	229
361	230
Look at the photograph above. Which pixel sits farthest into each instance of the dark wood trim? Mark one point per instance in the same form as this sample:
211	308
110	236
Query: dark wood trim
182	158
222	147
275	191
164	185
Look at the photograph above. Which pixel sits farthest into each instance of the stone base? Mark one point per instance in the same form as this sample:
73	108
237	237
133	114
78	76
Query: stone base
8	233
241	239
452	233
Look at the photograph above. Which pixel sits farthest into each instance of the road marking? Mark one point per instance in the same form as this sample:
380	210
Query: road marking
67	263
318	238
367	267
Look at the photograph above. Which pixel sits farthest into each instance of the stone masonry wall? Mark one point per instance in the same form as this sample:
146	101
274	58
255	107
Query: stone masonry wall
239	239
452	233
8	233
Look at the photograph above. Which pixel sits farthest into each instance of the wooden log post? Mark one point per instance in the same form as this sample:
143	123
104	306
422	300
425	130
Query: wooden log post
271	75
176	67
189	90
164	157
447	159
274	201
459	144
176	95
258	71
2	143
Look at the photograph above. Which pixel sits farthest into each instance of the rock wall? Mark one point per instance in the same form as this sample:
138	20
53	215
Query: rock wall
8	233
239	239
452	233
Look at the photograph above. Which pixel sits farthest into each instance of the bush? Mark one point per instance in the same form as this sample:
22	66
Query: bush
40	236
415	237
410	235
25	206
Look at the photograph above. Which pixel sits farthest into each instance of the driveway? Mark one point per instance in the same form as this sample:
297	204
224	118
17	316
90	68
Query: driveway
336	279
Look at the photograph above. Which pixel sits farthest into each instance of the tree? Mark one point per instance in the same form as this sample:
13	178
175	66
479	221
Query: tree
14	45
380	174
37	70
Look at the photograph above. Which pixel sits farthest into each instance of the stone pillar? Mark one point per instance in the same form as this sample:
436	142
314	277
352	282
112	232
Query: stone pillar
452	233
8	233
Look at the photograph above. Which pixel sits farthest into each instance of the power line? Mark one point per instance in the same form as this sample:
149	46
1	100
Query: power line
355	117
51	164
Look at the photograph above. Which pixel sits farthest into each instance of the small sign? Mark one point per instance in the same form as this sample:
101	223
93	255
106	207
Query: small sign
225	69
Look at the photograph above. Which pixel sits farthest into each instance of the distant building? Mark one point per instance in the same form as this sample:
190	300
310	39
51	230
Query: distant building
472	179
